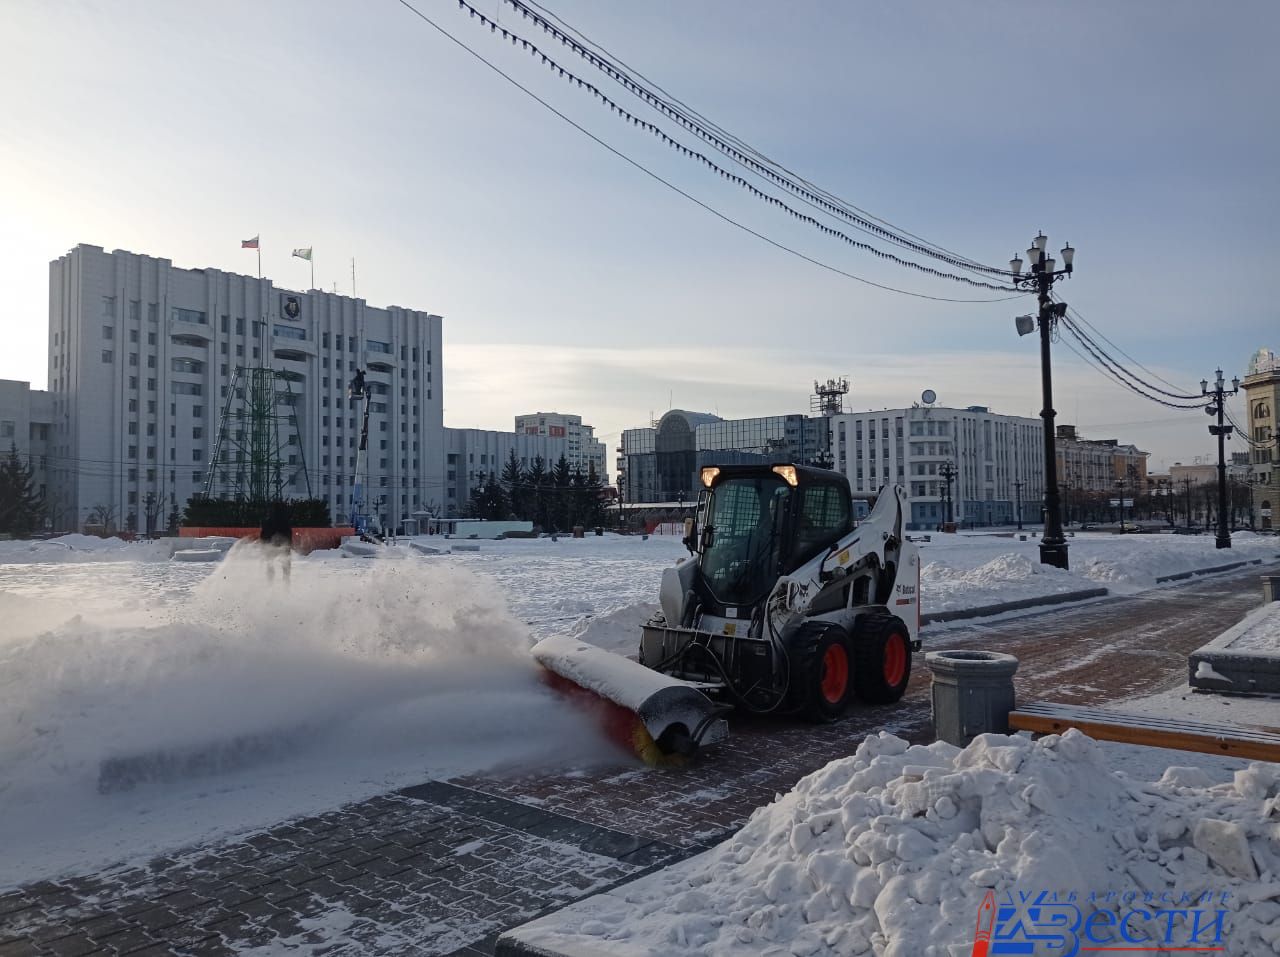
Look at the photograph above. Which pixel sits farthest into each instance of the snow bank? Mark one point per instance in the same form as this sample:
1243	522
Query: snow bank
618	630
346	680
970	571
1006	577
84	548
892	852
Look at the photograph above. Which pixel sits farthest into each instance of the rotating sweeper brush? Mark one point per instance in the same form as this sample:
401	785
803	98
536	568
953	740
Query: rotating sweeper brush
659	718
787	606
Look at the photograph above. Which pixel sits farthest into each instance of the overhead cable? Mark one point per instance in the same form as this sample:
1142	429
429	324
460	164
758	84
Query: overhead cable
650	173
732	177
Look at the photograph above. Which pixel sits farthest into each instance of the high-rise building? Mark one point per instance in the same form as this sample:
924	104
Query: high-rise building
26	416
583	450
998	461
143	360
1262	395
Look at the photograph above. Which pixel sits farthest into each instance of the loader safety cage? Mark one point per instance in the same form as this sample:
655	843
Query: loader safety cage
759	524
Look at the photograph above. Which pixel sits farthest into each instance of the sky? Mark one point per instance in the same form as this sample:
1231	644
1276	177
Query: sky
1143	132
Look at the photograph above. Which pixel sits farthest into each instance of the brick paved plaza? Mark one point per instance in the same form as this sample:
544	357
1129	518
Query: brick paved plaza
443	868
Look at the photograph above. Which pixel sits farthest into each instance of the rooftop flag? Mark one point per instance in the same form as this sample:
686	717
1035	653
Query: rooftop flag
249	243
303	253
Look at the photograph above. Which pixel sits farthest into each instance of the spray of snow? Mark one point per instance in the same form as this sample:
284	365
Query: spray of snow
345	679
891	852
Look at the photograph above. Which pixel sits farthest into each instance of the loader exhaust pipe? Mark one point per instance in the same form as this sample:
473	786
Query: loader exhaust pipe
659	718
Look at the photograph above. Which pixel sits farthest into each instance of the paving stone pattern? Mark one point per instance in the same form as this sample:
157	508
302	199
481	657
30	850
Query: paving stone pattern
443	868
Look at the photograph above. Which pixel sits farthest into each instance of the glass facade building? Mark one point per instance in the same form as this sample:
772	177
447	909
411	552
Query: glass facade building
661	464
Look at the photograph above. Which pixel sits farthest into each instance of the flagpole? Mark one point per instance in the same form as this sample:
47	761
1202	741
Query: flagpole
353	277
311	259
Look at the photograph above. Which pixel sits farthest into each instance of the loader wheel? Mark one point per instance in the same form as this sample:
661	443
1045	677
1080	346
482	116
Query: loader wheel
882	657
827	676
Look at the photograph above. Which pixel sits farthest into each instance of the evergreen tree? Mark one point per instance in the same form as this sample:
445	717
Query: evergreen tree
562	498
513	481
535	480
594	503
21	505
488	501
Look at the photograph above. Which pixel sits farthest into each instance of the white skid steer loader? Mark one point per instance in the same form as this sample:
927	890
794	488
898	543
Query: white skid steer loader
784	607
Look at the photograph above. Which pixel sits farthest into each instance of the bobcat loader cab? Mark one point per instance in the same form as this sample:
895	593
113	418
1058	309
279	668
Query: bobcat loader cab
785	605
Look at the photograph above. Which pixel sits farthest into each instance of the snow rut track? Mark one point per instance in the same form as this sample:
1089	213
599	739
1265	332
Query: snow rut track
125	772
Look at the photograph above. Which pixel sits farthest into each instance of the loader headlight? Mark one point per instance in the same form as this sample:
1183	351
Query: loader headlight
709	475
788	473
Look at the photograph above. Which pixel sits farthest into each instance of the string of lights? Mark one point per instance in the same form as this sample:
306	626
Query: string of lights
1118	373
676	189
748	148
1080	320
730	145
714	167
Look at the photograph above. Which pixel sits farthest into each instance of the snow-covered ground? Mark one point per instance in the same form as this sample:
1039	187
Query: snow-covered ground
894	850
357	676
1261	634
351	679
967	571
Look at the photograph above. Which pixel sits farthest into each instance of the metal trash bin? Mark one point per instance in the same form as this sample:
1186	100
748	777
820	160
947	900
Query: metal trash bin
971	693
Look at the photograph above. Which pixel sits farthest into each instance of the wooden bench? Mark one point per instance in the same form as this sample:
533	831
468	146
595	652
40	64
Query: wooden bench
1235	741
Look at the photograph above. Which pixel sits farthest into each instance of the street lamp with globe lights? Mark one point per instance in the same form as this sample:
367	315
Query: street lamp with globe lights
1217	406
1044	273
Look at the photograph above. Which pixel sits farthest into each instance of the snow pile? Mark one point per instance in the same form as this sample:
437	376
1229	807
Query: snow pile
342	681
1006	577
618	630
84	548
893	850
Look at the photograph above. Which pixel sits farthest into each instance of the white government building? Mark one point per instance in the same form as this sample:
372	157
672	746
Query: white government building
142	355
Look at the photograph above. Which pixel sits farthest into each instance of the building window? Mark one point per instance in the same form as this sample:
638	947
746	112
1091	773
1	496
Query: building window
178	364
185	388
290	332
109	306
151	385
108	332
374	345
108	356
189	315
197	412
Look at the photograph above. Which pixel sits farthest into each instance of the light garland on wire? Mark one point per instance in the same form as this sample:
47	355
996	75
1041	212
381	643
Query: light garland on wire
661	134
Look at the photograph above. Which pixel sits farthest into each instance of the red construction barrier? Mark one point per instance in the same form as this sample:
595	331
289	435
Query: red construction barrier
305	540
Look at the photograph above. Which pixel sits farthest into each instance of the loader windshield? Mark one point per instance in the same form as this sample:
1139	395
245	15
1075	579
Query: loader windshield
746	518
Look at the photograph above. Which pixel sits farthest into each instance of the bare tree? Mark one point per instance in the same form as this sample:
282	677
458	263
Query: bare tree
103	516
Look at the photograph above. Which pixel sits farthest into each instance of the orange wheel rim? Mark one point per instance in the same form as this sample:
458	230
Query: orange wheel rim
895	660
835	673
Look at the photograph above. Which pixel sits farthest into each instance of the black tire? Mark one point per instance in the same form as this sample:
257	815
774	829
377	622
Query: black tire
823	672
882	659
